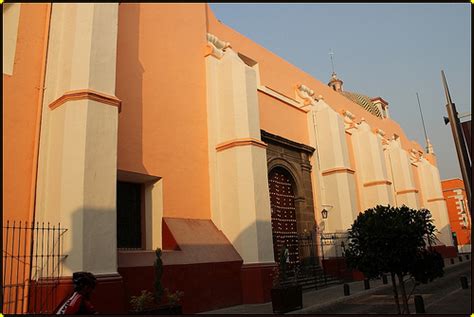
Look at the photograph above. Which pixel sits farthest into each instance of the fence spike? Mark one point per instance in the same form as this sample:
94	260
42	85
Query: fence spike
25	268
5	264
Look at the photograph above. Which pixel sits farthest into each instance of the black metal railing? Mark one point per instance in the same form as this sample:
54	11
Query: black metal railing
32	266
333	247
334	243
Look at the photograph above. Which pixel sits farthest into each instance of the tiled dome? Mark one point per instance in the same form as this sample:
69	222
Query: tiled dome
363	101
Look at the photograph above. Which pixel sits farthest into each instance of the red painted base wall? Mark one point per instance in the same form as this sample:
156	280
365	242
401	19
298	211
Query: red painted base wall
337	267
108	296
257	281
46	296
446	252
206	286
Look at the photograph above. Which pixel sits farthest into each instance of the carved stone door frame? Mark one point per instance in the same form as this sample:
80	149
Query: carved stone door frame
295	159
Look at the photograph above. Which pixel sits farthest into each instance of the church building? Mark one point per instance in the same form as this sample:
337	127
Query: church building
143	126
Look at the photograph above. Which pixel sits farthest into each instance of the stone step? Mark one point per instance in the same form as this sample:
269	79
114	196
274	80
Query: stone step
318	281
313	278
319	286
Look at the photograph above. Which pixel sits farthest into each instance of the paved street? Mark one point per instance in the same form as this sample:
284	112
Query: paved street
442	296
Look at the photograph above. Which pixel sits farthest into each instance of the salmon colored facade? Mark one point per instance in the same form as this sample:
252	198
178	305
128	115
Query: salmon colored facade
22	94
21	111
459	213
147	139
144	126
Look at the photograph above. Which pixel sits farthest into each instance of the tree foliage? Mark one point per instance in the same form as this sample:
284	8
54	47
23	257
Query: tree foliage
428	266
394	240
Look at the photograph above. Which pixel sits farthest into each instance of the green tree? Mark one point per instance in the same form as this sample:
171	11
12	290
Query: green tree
394	240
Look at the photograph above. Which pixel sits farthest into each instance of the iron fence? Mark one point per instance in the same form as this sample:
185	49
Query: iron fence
308	250
333	244
332	248
32	266
309	273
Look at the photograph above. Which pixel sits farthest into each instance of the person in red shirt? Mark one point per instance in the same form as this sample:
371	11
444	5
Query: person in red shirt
79	302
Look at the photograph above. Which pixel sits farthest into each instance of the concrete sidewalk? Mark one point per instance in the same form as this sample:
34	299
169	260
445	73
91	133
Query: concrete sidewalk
443	295
311	298
319	299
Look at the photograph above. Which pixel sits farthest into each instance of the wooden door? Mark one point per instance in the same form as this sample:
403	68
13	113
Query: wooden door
282	201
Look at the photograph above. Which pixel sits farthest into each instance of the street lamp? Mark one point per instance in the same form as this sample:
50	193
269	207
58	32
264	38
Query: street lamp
324	213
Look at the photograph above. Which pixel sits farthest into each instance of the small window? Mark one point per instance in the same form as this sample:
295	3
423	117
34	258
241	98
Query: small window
384	112
129	215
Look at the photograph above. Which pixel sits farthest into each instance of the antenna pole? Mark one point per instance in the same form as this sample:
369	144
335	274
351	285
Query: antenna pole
422	120
332	62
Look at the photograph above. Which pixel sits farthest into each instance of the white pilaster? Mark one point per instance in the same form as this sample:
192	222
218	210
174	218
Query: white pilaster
78	145
371	168
434	201
334	178
402	177
240	200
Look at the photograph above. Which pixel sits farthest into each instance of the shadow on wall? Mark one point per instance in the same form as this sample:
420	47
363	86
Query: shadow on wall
129	89
98	243
91	235
447	251
204	265
200	261
208	269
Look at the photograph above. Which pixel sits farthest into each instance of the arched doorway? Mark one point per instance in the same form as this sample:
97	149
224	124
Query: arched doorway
283	212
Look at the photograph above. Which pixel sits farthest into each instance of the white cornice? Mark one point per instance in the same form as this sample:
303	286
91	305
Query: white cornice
279	96
217	47
380	132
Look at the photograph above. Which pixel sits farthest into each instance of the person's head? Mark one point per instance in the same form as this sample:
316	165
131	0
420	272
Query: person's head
84	282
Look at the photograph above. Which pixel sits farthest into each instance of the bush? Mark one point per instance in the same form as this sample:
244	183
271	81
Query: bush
142	302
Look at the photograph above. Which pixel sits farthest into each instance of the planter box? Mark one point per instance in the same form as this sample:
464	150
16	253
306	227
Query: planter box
287	298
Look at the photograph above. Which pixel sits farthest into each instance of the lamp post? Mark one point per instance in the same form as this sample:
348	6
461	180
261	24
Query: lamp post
324	213
458	141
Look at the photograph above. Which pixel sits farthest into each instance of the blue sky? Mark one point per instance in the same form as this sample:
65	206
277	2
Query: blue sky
387	50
